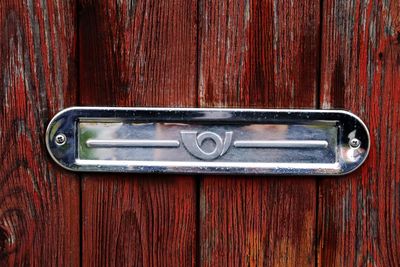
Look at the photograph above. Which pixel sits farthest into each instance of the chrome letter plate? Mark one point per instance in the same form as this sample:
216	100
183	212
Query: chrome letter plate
222	141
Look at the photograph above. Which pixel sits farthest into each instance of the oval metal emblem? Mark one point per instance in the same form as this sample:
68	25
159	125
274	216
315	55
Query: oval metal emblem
223	141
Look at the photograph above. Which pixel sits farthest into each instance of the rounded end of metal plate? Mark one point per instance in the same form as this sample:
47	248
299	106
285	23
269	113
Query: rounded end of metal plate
60	138
354	143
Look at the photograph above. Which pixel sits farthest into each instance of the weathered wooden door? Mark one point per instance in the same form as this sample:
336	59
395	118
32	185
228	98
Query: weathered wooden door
189	53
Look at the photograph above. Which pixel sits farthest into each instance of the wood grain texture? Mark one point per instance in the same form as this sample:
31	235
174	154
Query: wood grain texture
39	202
359	214
138	53
258	54
359	221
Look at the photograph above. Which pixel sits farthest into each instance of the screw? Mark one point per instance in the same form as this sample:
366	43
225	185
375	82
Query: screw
355	143
61	139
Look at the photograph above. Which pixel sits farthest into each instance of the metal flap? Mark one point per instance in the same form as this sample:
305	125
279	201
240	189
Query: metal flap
222	141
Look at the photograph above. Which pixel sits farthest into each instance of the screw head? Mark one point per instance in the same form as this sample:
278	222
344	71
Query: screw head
355	143
60	139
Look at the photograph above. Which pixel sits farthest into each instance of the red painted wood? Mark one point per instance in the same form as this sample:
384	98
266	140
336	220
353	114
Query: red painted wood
258	54
359	214
39	202
138	53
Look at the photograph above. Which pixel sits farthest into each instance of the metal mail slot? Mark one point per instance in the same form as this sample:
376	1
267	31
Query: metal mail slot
221	141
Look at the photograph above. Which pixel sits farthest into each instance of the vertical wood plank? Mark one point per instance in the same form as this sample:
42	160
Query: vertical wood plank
258	53
39	202
359	214
138	53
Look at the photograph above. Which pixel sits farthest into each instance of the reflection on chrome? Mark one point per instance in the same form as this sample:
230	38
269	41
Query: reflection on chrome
282	144
102	143
295	142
